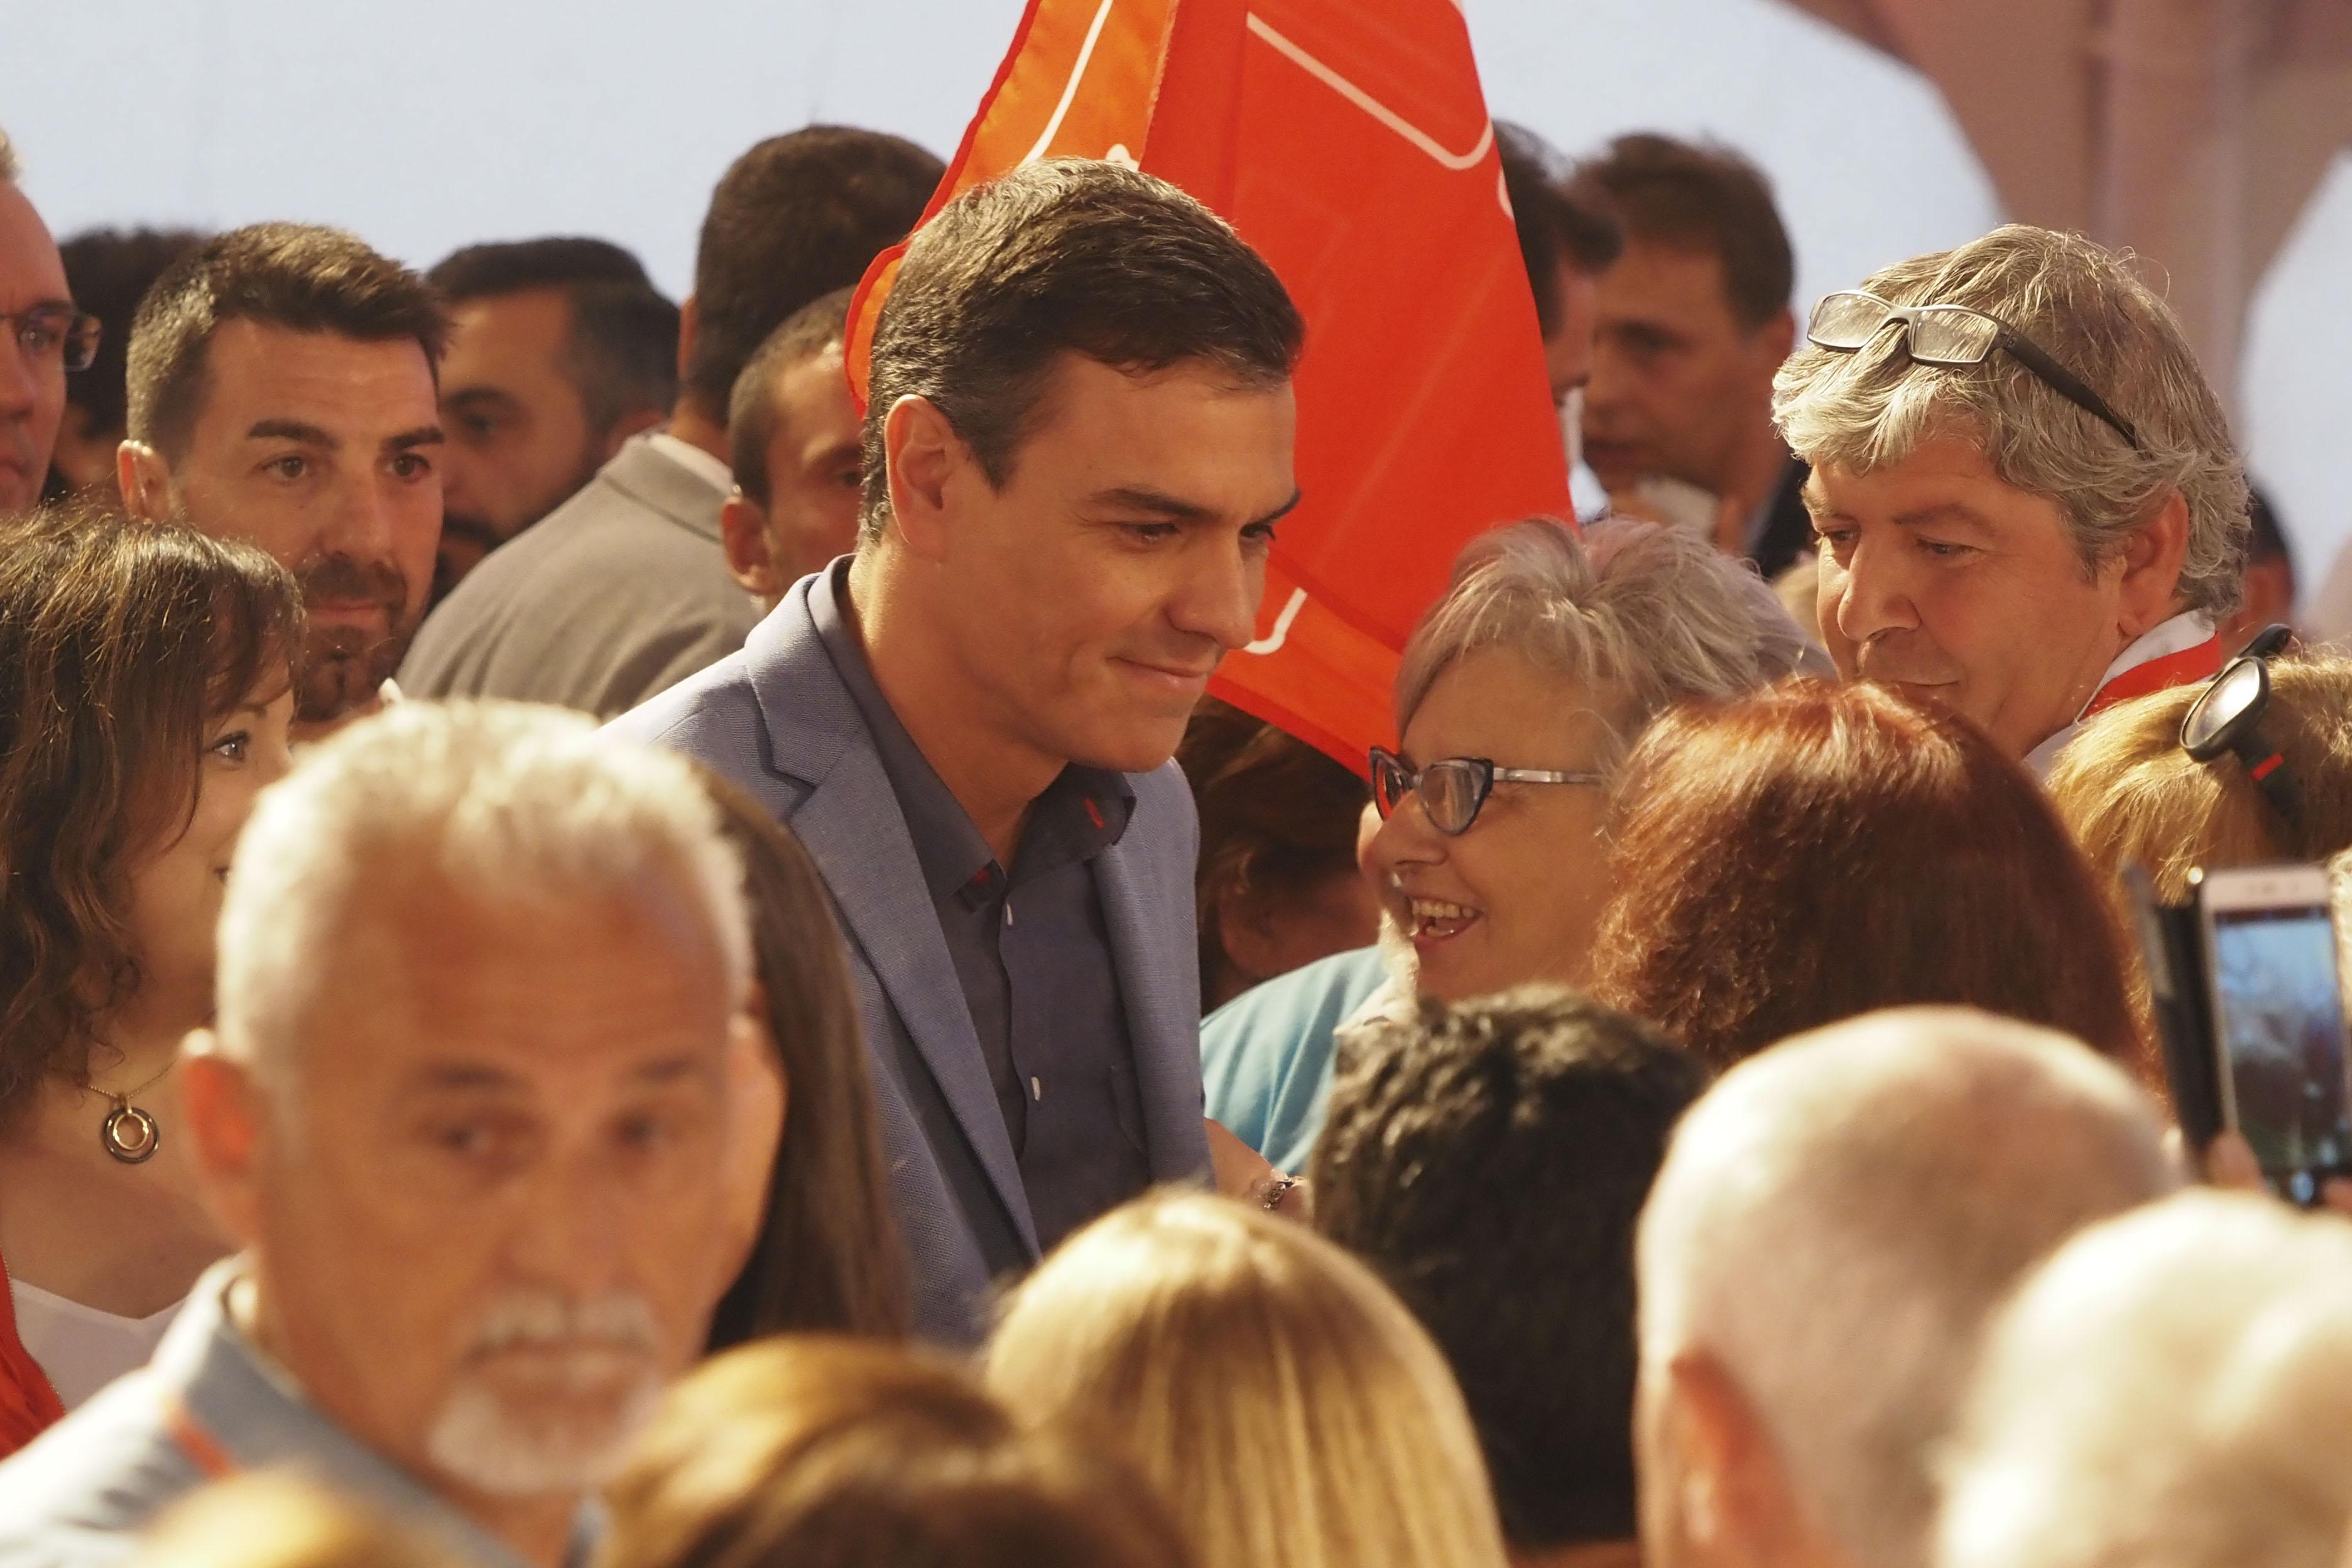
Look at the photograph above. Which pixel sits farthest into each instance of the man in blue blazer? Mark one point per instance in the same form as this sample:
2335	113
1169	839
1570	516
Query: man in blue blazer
1077	445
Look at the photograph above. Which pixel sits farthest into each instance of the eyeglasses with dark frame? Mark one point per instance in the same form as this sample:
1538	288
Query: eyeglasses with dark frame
1453	790
60	330
2227	719
1952	336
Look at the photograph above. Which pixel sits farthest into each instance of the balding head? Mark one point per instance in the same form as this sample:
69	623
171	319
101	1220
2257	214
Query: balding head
2171	1391
480	987
1835	1224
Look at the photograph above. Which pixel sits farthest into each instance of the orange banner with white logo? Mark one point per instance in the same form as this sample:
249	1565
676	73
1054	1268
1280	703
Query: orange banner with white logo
1349	142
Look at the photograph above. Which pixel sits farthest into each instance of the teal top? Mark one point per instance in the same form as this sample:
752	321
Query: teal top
1265	1056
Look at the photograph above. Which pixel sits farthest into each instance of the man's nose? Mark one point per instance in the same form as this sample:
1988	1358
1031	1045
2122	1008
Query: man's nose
362	525
565	1234
1220	596
1867	596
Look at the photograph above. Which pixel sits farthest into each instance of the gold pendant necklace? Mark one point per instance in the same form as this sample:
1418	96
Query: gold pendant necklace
129	1133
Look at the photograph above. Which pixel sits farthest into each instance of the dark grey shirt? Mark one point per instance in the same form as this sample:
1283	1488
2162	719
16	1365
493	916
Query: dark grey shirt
1032	953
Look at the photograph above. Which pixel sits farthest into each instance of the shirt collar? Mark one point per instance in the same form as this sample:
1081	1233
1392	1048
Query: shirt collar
693	459
2167	638
255	1413
1082	813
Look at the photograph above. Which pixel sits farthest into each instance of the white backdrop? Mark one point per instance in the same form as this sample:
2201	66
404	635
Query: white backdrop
425	124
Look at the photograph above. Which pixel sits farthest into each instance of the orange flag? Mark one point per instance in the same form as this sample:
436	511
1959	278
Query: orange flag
1347	142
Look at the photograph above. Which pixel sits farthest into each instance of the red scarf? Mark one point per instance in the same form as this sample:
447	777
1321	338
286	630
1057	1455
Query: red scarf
27	1402
2202	662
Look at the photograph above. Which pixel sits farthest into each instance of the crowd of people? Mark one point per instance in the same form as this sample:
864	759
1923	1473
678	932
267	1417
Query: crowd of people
609	958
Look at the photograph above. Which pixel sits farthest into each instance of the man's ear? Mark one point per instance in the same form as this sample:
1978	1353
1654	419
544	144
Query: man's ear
222	1106
924	460
2151	557
1775	339
688	315
145	479
751	558
1736	1501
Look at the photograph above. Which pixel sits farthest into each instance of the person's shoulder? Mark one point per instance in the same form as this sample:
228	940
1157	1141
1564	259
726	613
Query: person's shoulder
1314	998
705	710
78	1494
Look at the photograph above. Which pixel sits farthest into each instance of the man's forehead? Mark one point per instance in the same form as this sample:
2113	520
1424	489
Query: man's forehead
31	270
1681	281
506	323
358	388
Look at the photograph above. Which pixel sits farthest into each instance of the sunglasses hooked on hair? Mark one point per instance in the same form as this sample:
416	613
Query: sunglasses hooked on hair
2227	717
1952	336
1452	789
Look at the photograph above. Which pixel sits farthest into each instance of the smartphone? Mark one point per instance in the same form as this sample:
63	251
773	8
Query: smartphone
2278	1020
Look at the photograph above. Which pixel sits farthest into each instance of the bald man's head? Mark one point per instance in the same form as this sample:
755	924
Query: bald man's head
1835	1223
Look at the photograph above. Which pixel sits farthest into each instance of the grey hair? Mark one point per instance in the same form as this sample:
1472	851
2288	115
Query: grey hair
509	803
1656	615
7	160
1873	408
1837	1218
2172	1390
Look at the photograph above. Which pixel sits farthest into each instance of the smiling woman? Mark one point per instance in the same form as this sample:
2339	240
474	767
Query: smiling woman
144	698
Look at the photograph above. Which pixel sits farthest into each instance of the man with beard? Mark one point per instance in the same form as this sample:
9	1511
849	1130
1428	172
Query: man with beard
281	391
41	336
465	1106
559	350
626	591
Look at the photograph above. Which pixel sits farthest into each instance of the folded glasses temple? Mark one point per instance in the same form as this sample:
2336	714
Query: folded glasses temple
2067	384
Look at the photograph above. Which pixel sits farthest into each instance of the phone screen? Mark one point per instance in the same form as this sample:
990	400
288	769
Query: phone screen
2281	1015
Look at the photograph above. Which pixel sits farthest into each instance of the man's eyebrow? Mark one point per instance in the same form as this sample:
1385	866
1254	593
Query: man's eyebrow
293	430
1143	498
671	1069
471	396
455	1076
422	436
1285	510
1941	511
1816	504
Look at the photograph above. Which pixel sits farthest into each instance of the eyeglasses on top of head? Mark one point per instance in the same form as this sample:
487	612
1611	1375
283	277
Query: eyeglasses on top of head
58	331
1453	790
2227	719
1951	336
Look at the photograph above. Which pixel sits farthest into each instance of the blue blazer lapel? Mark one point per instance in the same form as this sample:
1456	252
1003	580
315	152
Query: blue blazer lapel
1163	1000
850	824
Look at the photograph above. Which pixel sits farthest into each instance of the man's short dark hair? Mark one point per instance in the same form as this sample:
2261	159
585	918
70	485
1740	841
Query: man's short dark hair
1073	256
2267	540
1702	197
1490	1159
751	413
1552	225
622	353
796	217
109	271
297	277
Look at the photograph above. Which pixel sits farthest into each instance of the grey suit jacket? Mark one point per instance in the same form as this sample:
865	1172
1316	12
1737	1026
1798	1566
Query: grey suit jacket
619	593
777	719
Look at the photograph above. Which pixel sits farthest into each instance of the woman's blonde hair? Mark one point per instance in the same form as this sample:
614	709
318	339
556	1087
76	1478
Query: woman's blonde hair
824	1452
1286	1404
2130	794
283	1519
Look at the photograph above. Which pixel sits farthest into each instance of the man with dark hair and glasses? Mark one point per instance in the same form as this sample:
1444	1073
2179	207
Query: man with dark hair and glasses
2028	502
42	336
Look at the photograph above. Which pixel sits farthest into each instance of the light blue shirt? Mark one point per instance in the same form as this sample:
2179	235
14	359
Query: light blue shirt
79	1494
1265	1056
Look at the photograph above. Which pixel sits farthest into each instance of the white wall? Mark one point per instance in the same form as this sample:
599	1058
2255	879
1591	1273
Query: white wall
431	123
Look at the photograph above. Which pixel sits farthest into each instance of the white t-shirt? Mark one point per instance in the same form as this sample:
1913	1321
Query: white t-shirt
81	1349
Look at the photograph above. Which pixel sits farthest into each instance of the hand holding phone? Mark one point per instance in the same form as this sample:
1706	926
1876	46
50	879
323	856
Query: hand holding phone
2278	1020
